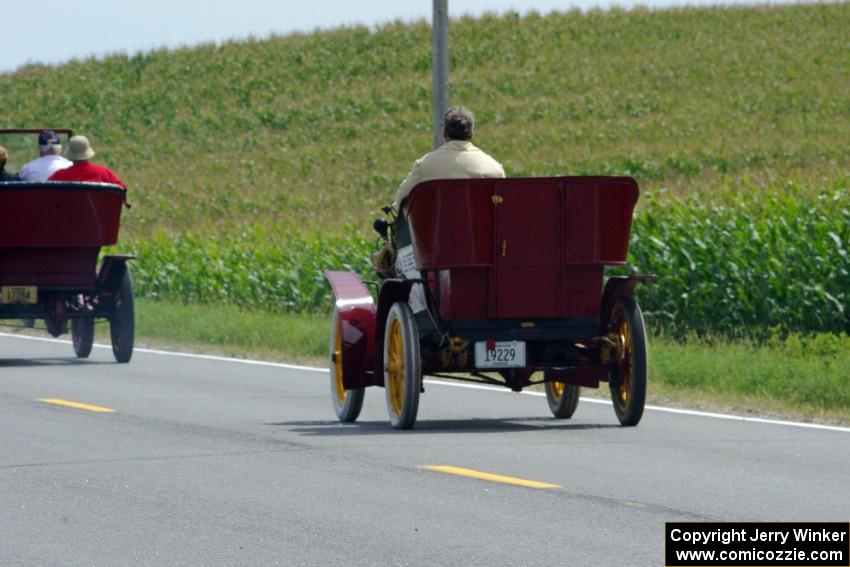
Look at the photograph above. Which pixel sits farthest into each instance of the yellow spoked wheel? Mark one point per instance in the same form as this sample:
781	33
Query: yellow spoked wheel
402	366
347	403
562	398
629	376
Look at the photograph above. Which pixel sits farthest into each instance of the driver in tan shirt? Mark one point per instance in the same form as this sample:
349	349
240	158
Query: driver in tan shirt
458	158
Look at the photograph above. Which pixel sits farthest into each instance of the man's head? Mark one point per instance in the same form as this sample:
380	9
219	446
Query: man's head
458	123
48	143
3	157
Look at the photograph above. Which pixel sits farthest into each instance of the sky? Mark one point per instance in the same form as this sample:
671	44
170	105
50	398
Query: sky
55	31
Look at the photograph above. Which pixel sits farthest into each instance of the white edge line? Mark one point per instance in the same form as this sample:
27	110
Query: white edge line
678	411
183	354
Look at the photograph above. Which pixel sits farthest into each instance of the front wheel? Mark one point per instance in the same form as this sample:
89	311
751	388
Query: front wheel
82	335
347	403
402	366
629	376
562	398
122	322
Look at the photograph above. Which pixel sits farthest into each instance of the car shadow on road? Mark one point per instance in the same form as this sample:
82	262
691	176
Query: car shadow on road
53	361
428	427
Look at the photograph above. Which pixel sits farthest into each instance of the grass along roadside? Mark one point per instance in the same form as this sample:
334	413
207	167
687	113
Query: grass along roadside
797	377
231	331
802	378
222	330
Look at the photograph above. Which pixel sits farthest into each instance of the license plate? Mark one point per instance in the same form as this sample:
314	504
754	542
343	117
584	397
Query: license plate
507	354
18	294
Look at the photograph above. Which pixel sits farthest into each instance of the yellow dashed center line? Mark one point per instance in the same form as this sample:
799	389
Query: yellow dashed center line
488	476
76	405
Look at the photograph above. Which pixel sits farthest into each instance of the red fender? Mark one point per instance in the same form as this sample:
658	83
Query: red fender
111	271
615	288
356	312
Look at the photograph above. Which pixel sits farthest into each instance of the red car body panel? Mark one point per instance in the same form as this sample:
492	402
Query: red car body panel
51	233
520	248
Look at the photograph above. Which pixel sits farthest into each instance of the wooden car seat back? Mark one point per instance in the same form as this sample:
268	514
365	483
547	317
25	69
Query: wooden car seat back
522	247
51	233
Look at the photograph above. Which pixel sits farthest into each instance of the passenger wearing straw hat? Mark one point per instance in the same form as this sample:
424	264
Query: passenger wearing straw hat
80	152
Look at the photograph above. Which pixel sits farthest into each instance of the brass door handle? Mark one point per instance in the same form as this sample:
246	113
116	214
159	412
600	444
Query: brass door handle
497	199
504	248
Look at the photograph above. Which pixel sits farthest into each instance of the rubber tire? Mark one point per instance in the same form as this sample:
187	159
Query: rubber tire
82	335
405	417
563	406
122	322
348	410
629	414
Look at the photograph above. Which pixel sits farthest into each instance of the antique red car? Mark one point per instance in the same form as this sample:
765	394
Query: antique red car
51	234
502	282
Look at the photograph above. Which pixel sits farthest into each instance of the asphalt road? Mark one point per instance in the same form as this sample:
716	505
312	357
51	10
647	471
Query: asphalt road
214	462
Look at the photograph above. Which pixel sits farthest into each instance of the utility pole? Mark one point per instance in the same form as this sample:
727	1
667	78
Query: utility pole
439	69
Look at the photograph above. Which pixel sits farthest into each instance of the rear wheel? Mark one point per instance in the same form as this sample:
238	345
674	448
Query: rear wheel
122	322
402	366
629	376
347	403
82	335
562	398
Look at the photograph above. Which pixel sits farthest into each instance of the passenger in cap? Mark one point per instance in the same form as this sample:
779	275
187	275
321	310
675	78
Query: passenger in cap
49	161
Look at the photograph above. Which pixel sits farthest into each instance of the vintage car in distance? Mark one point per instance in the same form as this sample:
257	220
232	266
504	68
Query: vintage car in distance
51	234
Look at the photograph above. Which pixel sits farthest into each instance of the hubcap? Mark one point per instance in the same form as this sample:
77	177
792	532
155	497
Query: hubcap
624	386
395	367
340	390
557	389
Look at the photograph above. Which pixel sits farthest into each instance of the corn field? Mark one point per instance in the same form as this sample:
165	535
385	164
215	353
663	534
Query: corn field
745	265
